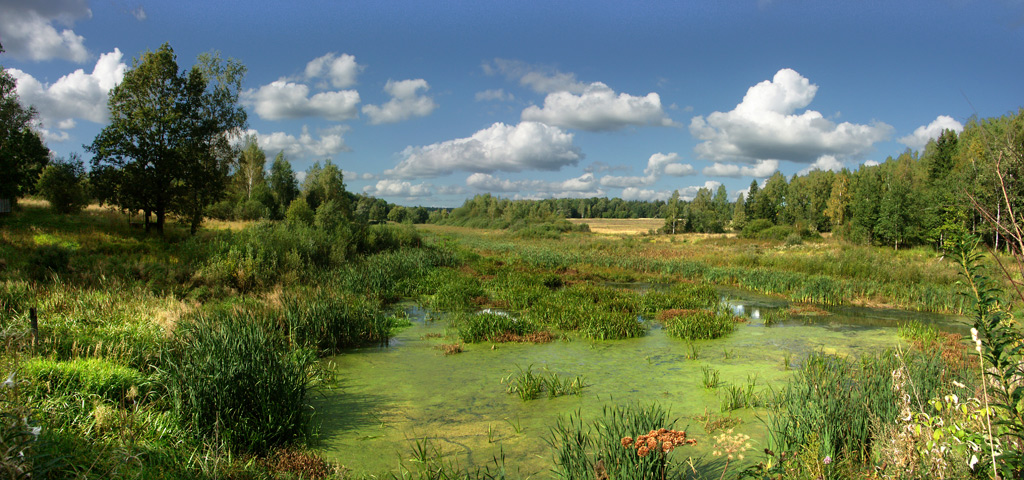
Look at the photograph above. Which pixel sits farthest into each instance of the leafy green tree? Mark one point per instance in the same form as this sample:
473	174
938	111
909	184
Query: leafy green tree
866	187
251	164
751	206
299	213
739	214
723	210
398	214
673	214
22	153
702	215
283	184
325	183
771	201
378	212
63	184
837	208
166	148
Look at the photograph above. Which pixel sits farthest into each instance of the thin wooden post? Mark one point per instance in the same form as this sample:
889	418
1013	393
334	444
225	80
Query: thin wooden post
34	323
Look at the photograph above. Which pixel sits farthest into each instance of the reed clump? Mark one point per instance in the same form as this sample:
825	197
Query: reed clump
698	324
839	401
489	326
530	385
328	321
231	377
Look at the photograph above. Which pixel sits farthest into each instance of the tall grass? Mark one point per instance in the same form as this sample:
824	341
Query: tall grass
327	321
698	324
598	313
837	402
479	327
589	449
232	380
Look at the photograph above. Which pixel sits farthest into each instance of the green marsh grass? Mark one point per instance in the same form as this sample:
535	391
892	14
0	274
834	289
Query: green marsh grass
585	448
698	324
596	312
733	398
710	377
328	321
839	400
833	273
530	385
483	326
89	376
231	377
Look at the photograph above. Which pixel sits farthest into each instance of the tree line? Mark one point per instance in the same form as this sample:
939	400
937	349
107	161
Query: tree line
172	148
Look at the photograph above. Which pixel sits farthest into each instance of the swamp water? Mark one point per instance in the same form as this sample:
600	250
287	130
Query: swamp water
389	398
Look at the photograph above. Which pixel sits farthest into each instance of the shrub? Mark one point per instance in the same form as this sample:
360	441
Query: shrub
63	184
777	233
85	375
753	227
299	213
231	377
380	238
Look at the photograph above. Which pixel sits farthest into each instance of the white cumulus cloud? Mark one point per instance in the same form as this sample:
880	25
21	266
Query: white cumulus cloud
689	193
284	100
499	95
537	78
657	165
924	133
826	162
762	169
77	95
396	188
765	126
405	102
509	148
489	183
598	108
328	142
27	29
341	70
643	194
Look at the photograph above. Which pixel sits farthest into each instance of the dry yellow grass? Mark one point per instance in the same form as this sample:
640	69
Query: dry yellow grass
621	226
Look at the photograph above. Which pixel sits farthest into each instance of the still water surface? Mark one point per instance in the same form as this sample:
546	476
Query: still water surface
387	398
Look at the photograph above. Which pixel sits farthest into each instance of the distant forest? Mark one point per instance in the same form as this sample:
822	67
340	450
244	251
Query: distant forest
913	199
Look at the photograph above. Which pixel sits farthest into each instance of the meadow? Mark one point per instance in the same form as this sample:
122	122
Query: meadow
263	350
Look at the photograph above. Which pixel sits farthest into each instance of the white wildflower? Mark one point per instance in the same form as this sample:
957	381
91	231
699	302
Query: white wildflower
9	383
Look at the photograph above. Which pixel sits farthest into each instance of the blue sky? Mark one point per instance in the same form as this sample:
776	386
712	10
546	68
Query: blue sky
431	102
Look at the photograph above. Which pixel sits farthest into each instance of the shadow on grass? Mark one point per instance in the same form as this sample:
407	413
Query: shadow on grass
340	412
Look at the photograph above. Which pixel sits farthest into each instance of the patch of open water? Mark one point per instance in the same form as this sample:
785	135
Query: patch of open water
390	397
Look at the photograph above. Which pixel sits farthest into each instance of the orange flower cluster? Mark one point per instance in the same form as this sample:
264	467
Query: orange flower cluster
665	439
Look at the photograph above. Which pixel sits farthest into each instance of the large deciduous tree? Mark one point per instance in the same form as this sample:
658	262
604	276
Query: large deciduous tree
22	153
166	149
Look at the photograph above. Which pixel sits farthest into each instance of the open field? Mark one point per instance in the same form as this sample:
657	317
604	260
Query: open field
620	226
